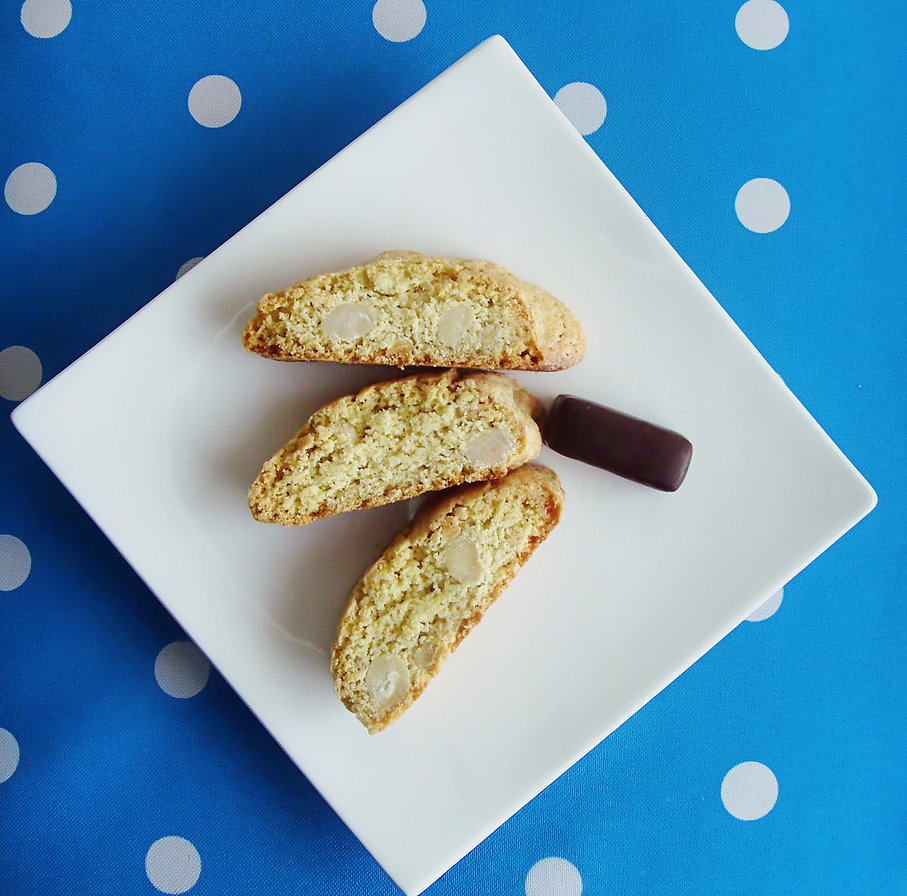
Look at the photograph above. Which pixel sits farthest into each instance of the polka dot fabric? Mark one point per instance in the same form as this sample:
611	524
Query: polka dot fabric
134	145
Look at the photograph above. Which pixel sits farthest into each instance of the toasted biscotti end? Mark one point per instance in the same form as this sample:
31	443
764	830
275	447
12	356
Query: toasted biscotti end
397	439
433	584
409	309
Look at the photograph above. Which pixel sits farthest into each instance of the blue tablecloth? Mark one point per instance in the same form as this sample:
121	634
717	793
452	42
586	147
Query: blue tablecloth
767	145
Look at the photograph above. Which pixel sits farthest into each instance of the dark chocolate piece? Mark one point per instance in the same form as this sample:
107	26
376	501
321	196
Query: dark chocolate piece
617	442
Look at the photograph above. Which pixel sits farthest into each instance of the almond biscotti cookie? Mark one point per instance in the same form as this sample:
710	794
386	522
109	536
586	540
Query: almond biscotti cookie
434	583
409	309
397	439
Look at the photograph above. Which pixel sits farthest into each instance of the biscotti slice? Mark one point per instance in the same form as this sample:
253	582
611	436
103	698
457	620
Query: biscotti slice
409	309
434	583
397	439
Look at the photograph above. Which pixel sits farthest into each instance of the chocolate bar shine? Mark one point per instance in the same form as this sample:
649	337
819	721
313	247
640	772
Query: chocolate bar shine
617	442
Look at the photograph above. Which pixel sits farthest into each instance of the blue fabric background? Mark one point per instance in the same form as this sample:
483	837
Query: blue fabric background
109	763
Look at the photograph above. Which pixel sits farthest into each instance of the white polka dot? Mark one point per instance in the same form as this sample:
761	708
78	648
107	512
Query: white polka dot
553	877
762	205
9	755
181	669
30	188
399	20
173	864
749	790
45	18
187	266
15	562
584	105
214	101
762	24
20	372
769	608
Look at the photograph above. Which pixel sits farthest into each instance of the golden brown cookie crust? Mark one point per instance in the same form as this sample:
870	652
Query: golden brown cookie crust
378	619
408	436
507	323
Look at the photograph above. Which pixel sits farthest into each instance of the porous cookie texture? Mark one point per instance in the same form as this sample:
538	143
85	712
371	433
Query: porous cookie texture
397	439
411	609
409	309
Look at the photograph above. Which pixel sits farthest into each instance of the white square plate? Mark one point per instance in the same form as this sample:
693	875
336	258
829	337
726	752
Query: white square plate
159	429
